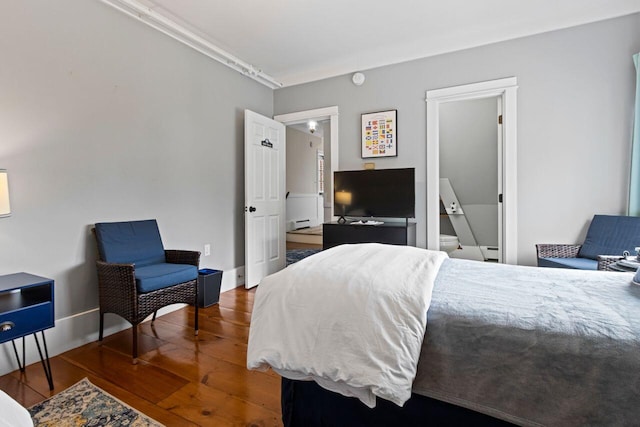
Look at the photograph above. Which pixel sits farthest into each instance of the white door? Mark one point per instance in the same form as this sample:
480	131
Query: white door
264	195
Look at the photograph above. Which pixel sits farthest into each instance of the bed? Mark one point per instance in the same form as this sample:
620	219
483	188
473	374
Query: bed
12	413
500	344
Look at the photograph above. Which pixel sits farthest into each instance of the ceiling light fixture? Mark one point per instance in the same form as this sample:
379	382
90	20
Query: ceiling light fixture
312	126
163	24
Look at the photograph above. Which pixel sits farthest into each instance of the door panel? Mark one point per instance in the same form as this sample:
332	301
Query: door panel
264	197
274	230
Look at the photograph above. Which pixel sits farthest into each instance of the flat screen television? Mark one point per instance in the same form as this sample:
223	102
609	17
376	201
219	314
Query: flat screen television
380	193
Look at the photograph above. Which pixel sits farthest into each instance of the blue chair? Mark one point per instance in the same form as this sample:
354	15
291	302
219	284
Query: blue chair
608	237
137	276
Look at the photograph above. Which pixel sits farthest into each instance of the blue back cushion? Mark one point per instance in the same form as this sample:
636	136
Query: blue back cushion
135	242
611	235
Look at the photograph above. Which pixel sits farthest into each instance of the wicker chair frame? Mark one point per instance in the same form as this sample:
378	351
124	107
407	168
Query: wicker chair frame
119	294
604	261
571	251
557	251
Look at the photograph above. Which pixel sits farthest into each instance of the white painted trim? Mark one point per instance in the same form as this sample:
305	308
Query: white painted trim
510	180
165	25
326	113
302	116
472	90
433	175
232	279
82	328
506	89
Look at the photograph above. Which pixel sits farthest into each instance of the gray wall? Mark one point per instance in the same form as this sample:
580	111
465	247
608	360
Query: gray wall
575	99
105	119
469	159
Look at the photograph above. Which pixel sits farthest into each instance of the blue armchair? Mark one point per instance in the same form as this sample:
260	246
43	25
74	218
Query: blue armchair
137	276
607	238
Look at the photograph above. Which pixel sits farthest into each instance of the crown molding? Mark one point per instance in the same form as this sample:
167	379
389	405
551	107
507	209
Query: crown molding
176	31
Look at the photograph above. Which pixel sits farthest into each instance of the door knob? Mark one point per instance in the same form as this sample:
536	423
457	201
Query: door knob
252	209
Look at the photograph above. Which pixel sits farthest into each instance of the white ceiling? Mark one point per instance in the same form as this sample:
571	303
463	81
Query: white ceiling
297	41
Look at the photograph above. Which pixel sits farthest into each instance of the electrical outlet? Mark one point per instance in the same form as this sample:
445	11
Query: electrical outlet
207	249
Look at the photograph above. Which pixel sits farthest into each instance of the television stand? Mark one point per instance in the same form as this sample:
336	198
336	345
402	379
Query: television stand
392	233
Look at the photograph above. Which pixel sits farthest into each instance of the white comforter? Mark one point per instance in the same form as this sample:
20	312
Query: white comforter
12	414
352	318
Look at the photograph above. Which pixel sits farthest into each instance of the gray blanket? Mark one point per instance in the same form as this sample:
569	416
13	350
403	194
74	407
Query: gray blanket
534	346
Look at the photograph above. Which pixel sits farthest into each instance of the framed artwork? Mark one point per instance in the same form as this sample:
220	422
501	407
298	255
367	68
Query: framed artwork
380	134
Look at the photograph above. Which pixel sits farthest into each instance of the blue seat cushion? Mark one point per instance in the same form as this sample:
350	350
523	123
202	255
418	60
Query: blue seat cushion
577	263
611	235
136	242
157	276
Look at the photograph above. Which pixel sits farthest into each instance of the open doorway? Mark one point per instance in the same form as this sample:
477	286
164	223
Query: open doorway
326	120
305	178
505	91
470	173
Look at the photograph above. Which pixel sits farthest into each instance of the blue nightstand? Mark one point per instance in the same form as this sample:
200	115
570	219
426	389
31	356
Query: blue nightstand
26	307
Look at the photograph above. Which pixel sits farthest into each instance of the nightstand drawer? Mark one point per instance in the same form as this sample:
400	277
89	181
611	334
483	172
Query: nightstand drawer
26	321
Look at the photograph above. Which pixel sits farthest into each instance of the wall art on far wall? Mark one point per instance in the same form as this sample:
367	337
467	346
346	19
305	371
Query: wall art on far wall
380	134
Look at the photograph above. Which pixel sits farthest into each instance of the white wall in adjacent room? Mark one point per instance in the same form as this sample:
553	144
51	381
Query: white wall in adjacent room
302	161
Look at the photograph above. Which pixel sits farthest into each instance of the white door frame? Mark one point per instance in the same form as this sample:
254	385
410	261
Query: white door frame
319	114
506	90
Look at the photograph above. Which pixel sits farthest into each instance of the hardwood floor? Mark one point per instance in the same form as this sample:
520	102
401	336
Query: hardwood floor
298	245
179	380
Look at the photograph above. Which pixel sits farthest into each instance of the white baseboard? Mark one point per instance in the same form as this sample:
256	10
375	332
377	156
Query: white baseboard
82	328
490	253
232	279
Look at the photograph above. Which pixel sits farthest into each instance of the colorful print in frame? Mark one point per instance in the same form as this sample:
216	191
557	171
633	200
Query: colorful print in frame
380	134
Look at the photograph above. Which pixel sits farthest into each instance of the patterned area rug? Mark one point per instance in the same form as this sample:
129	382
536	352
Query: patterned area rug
295	255
84	404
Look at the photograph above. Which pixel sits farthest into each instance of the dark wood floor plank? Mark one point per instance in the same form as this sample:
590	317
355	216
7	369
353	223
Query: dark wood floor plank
214	325
227	377
229	315
20	391
64	376
151	382
180	379
206	406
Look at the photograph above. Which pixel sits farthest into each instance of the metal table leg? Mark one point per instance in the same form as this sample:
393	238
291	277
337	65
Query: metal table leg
46	364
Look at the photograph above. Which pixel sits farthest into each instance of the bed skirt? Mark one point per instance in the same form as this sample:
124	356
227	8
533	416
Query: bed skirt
305	403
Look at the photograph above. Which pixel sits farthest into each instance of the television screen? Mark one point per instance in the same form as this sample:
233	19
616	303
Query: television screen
383	193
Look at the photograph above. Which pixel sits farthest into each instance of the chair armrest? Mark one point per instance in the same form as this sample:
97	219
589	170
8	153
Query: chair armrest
557	251
116	281
174	256
604	261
